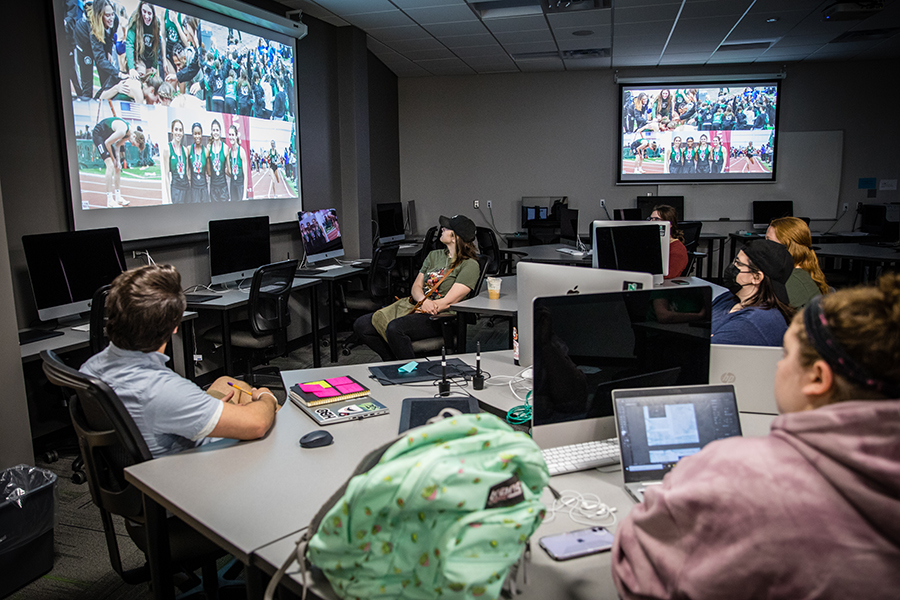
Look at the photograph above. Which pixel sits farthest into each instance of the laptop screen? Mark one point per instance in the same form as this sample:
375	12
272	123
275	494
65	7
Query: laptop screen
659	426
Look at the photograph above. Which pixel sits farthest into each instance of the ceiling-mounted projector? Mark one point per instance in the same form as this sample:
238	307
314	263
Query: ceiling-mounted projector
851	11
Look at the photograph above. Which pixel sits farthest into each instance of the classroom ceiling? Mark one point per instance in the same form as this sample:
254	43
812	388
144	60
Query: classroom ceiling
417	38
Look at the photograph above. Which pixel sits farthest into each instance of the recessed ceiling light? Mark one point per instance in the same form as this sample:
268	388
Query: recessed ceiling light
772	20
583	32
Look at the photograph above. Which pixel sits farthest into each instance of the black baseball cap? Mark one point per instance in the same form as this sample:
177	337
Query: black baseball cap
462	226
774	261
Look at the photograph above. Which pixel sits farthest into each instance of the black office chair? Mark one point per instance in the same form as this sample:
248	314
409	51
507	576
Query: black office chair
487	245
264	333
448	338
97	335
691	232
431	241
110	441
377	293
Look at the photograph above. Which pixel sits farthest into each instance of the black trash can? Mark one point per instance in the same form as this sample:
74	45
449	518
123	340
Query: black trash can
27	516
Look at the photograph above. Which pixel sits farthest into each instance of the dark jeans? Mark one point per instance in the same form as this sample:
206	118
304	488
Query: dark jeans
401	333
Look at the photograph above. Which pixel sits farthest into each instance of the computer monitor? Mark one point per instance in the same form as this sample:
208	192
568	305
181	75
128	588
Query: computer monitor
646	204
321	234
237	247
67	268
537	279
534	213
587	345
764	211
390	222
627	214
568	225
631	246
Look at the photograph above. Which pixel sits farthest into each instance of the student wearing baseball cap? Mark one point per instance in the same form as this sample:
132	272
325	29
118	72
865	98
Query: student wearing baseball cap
447	276
757	311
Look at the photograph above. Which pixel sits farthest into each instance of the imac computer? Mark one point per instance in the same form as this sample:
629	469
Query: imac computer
627	214
631	246
67	268
321	234
646	204
568	226
535	280
237	247
764	211
587	345
390	223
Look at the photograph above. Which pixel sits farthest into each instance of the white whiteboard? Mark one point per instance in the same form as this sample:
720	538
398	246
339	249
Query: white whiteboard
808	172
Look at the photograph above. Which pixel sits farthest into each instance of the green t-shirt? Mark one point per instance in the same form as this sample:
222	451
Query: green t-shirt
801	288
437	262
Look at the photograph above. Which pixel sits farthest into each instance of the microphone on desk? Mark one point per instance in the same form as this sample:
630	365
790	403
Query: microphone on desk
478	378
444	385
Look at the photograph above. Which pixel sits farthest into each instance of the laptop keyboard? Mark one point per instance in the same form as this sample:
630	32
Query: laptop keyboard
579	457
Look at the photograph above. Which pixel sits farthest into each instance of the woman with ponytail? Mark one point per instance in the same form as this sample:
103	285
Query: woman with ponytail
807	279
813	509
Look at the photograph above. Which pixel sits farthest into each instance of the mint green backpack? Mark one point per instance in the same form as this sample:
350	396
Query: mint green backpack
444	511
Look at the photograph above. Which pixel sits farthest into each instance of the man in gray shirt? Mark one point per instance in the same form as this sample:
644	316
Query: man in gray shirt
144	308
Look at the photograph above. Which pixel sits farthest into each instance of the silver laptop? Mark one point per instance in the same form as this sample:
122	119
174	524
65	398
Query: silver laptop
751	370
657	427
536	279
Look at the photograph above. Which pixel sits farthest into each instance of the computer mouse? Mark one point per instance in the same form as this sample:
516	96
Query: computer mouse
316	439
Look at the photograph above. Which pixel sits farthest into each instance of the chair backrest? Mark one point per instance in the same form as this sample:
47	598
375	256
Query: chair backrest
431	241
484	262
107	435
269	292
691	232
380	269
487	245
97	336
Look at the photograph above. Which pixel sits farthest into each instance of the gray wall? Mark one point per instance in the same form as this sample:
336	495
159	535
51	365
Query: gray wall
501	137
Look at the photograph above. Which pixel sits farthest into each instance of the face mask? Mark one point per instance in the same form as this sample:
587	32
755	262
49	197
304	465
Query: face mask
729	279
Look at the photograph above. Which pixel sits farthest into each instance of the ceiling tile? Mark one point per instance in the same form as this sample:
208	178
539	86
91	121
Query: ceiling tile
389	34
441	14
685	58
524	37
702	30
404	4
715	8
542	64
529	48
352	7
668	12
583	64
779	50
581	18
446	66
415	55
640	3
633	61
648	29
391	18
803	40
682	48
529	23
463	41
403	46
466	52
459	28
492	63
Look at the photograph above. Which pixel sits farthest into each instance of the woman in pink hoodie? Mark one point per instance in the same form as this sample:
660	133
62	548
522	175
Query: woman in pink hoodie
812	510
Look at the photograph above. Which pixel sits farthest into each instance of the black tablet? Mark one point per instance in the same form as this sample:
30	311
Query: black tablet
417	411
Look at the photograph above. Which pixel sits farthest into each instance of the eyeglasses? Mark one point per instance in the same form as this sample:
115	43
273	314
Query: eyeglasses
654	219
740	265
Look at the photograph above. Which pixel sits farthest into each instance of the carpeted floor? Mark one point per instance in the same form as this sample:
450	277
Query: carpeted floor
81	568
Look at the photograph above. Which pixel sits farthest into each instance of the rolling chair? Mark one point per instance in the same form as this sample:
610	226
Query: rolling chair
487	245
110	441
265	330
378	291
691	232
448	338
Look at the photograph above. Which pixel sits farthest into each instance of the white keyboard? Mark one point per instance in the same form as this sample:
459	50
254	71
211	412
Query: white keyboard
329	267
579	457
570	251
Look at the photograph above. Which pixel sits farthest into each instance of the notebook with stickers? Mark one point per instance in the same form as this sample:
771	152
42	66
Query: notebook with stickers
340	412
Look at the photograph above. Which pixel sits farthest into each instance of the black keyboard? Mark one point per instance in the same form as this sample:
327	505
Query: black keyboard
36	335
305	272
198	298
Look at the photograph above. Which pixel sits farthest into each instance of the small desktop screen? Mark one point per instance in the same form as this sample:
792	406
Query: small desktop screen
66	268
764	211
534	213
237	247
321	234
568	224
627	214
641	246
390	222
587	345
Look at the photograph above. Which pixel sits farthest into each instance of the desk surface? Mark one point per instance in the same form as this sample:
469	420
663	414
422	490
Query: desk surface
547	253
235	298
505	306
859	251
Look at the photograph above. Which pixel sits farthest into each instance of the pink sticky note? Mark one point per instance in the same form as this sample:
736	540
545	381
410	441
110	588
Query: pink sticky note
327	393
349	388
314	386
336	381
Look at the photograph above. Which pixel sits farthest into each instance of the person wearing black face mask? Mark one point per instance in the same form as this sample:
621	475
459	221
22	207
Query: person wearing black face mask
757	311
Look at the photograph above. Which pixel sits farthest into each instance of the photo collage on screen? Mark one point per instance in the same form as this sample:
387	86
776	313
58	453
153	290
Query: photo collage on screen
171	109
710	132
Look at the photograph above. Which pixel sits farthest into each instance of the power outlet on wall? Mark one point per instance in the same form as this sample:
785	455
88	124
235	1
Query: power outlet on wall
846	207
489	203
602	203
475	204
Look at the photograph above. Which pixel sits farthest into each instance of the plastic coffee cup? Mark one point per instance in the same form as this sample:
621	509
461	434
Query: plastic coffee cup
493	284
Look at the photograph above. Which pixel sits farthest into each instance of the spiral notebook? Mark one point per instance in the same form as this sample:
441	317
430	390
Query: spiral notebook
327	391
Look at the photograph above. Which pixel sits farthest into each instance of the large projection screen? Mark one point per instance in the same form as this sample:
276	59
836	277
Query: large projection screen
165	71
